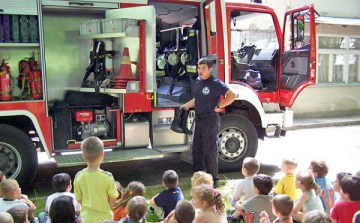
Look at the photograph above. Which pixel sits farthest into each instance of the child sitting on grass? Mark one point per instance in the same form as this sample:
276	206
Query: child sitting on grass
167	199
136	209
282	206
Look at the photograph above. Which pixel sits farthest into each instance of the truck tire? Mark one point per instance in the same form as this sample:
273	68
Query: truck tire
238	139
18	157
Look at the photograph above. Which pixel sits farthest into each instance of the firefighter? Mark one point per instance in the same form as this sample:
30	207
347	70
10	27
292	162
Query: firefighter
208	92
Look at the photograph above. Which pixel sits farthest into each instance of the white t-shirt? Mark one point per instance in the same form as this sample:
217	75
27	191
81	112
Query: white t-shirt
50	199
7	204
245	187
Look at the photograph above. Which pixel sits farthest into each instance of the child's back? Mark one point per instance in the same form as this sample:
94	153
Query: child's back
320	169
263	201
95	189
168	198
245	187
286	184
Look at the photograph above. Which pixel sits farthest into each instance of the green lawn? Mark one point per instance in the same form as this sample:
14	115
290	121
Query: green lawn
151	191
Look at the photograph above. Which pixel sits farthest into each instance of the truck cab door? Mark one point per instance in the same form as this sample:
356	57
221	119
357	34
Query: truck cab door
298	68
212	35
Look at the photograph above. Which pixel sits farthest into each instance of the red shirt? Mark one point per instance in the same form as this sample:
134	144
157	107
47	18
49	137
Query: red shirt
344	211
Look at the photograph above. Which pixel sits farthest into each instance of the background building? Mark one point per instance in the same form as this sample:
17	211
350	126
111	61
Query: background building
337	90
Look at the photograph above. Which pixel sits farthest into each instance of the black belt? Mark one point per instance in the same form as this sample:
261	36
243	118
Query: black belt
206	115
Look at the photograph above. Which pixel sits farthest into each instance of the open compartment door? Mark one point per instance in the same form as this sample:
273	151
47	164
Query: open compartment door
212	30
299	54
145	56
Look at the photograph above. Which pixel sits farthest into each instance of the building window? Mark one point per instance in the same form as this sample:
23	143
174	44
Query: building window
338	59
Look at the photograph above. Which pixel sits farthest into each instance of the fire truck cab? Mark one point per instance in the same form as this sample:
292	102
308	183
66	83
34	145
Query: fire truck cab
117	69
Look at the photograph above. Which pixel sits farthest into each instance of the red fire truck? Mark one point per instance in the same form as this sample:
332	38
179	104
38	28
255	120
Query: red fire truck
117	69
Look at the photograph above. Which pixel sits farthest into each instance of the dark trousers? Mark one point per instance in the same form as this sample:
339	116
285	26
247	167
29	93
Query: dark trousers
204	150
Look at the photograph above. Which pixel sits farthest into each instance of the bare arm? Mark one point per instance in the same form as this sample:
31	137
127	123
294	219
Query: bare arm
299	204
230	96
188	104
112	201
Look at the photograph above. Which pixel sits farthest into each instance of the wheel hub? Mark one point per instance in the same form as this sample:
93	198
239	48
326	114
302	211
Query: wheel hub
8	160
232	144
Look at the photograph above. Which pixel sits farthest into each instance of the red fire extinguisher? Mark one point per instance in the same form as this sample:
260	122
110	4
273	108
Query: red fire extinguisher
35	84
30	78
5	82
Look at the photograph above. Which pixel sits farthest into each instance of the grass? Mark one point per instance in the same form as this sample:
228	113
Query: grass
151	191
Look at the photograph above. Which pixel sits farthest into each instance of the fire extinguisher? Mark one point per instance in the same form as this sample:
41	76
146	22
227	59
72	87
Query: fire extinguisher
30	78
5	82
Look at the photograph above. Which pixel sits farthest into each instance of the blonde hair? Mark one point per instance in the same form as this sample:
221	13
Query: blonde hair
212	196
252	165
307	179
201	177
92	147
7	186
134	188
6	218
316	216
136	208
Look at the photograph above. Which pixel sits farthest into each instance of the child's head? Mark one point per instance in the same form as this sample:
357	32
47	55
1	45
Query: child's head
205	196
2	176
170	179
62	210
120	189
283	205
6	218
358	173
319	168
19	214
136	208
61	182
184	211
92	149
288	166
263	184
306	181
10	189
250	166
316	216
356	218
350	188
134	188
339	176
201	177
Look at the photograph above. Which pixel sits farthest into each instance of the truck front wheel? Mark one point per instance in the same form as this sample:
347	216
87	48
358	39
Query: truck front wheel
238	139
18	157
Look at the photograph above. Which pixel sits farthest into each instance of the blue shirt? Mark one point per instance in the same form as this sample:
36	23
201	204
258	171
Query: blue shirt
168	199
208	93
325	184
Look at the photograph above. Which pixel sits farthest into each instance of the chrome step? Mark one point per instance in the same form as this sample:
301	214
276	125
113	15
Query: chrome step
110	157
172	149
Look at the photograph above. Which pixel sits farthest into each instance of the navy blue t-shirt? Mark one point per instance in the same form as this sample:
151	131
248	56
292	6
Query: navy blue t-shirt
208	93
168	199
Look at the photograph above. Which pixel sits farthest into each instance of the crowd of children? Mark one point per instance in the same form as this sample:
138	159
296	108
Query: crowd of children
307	197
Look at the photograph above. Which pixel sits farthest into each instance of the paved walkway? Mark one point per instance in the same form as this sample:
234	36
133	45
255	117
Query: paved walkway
303	123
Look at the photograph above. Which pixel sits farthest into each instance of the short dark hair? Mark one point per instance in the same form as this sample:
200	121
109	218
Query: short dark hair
351	185
170	178
283	204
184	211
263	183
206	61
252	165
18	213
61	181
319	167
341	175
62	210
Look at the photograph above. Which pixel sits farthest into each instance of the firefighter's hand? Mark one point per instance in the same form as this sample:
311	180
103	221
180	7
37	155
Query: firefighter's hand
216	109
